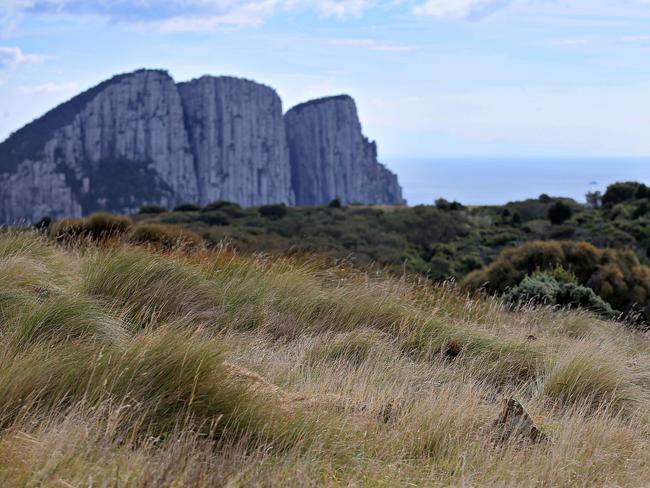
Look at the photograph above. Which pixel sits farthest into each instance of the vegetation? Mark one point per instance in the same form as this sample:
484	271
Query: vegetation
137	366
97	226
165	236
616	276
152	209
550	289
442	241
559	213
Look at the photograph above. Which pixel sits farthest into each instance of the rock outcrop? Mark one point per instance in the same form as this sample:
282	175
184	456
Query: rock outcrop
330	157
238	140
515	422
112	148
140	138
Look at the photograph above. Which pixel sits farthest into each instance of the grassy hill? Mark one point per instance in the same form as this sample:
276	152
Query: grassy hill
123	365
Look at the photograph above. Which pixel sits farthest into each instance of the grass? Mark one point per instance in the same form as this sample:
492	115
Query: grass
130	366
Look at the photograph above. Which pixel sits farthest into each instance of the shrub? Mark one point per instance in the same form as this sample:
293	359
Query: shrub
336	203
218	205
620	193
166	236
274	212
152	209
101	225
229	209
445	205
43	224
641	211
616	276
594	199
214	218
559	212
187	207
545	288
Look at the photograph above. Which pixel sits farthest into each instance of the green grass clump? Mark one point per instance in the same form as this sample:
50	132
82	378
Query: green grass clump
595	379
151	287
61	319
166	379
103	225
97	226
165	236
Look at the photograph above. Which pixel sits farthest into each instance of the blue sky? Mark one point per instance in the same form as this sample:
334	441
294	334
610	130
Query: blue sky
432	78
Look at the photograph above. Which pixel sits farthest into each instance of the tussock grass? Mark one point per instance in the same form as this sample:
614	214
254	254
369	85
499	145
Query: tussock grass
596	378
127	366
151	287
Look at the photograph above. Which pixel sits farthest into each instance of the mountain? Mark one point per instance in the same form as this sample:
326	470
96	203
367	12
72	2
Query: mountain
331	158
141	138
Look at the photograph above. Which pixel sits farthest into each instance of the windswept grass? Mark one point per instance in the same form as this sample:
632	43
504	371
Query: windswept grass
125	366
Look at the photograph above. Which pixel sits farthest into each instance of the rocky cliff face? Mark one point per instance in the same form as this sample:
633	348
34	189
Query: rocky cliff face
331	158
238	139
112	148
141	138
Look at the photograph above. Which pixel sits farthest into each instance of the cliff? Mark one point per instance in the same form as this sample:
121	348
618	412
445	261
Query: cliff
331	158
238	140
112	148
140	138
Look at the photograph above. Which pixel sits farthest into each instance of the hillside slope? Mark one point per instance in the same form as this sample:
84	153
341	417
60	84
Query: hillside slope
126	366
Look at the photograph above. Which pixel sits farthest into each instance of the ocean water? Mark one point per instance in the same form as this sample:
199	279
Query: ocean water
494	181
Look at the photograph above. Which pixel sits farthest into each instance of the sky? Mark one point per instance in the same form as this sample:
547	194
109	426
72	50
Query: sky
432	78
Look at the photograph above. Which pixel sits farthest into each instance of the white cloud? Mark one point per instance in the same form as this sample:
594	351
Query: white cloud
180	15
635	39
47	88
459	9
372	45
12	57
245	14
341	8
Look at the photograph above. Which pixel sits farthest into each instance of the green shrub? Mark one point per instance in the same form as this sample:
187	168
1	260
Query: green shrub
166	236
559	212
336	203
616	276
274	212
218	205
43	224
621	192
214	218
152	209
544	288
187	207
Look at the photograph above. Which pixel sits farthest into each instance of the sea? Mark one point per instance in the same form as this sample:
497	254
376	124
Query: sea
495	181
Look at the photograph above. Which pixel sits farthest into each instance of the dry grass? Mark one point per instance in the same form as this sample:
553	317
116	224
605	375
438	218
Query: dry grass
121	366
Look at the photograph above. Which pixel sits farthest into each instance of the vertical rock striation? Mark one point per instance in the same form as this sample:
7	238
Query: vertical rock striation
140	138
331	158
112	148
238	139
